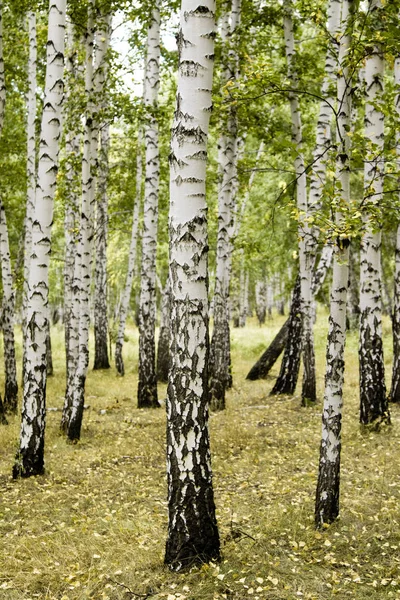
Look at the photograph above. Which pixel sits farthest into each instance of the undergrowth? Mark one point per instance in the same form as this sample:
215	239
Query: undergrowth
94	526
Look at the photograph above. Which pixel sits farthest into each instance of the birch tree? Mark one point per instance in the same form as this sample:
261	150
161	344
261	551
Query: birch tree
395	384
373	400
327	496
220	364
100	97
30	456
192	528
147	386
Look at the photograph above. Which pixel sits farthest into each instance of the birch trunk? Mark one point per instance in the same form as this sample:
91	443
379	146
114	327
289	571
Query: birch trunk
163	353
327	496
123	310
261	301
30	456
30	168
83	259
71	225
289	372
267	360
7	321
100	305
304	228
220	364
395	385
373	400
147	386
192	529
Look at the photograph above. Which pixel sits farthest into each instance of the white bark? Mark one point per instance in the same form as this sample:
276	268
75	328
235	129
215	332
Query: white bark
192	533
147	386
373	402
30	164
395	385
123	309
2	73
304	228
227	189
30	457
83	259
100	97
327	499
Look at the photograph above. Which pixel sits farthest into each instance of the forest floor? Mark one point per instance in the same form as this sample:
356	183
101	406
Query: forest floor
95	525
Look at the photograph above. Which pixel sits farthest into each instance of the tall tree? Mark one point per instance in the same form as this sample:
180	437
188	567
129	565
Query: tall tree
192	529
30	456
373	399
220	363
147	386
103	34
327	496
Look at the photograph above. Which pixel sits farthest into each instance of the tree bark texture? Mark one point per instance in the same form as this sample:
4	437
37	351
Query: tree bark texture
123	310
373	399
306	242
192	528
83	258
100	304
395	384
30	456
163	351
220	364
30	167
328	486
7	321
289	372
147	385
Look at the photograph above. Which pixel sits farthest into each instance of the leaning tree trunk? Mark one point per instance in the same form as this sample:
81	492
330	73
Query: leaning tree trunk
192	527
288	375
395	385
327	495
123	310
11	385
30	456
83	259
100	304
163	351
220	363
373	400
147	385
267	360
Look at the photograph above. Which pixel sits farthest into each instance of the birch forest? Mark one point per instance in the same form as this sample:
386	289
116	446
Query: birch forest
199	299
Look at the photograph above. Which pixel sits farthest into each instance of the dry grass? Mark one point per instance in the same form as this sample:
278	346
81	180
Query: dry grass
94	526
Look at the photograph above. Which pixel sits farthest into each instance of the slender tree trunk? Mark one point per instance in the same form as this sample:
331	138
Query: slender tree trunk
100	306
327	496
395	385
304	228
11	385
220	364
147	386
30	170
123	311
163	351
73	160
373	400
261	301
353	295
83	259
30	456
192	528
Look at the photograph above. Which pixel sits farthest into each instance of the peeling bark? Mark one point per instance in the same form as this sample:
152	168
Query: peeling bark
147	385
192	530
30	456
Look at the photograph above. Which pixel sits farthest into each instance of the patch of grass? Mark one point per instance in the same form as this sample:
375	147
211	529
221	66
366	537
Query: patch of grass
94	527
